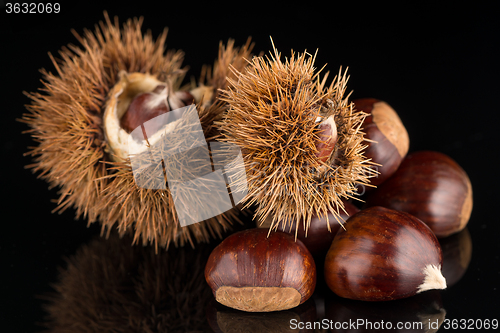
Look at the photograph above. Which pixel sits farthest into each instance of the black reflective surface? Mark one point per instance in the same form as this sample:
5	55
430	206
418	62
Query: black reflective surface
437	67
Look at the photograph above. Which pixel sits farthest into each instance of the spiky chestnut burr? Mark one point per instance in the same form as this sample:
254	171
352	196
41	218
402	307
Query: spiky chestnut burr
383	254
252	272
74	152
296	167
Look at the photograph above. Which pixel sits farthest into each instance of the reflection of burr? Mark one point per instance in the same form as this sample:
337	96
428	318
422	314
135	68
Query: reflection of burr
109	286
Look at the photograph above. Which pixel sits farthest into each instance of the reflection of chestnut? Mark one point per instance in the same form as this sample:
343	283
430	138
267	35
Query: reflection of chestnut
420	313
390	138
383	255
223	319
319	237
457	253
432	187
250	271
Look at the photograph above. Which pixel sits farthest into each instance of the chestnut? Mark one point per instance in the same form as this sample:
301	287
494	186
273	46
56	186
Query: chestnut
144	107
383	255
254	272
148	105
432	187
319	236
388	139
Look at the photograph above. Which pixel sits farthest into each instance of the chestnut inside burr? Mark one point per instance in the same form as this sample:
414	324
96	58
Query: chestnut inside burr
137	98
328	139
148	105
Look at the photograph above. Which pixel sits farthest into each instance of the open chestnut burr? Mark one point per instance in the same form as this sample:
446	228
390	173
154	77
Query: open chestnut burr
254	272
117	80
383	255
432	187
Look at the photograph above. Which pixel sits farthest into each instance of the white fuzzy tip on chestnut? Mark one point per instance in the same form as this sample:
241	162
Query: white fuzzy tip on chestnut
434	279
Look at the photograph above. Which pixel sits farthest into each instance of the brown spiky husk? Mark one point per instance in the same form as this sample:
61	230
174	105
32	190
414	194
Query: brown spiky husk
273	106
217	77
109	286
72	153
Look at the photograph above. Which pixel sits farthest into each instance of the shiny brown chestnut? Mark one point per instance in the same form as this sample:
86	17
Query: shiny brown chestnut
319	236
254	272
389	139
383	255
432	187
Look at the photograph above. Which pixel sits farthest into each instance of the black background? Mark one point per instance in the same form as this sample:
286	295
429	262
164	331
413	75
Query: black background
438	67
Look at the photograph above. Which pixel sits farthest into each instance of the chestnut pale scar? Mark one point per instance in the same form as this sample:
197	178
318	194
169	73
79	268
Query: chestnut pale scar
389	123
258	299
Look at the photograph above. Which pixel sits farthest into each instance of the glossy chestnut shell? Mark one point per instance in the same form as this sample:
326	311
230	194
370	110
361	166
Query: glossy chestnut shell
383	255
432	187
254	272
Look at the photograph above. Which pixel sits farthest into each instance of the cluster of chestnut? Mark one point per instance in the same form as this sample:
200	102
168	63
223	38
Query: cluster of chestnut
386	250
